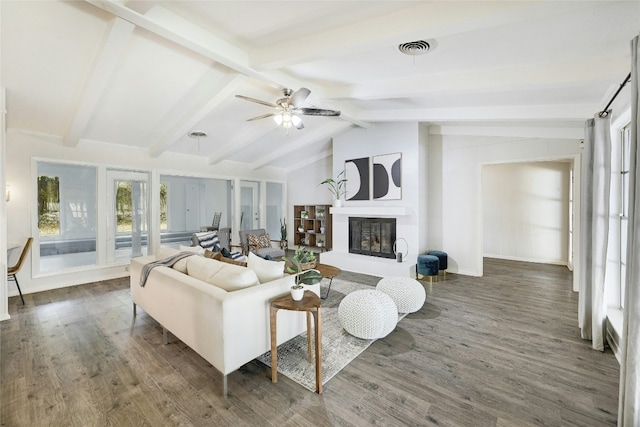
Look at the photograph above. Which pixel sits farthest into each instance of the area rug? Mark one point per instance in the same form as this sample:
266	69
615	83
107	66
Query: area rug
338	347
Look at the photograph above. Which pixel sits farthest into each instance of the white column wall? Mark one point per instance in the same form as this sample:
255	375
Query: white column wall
385	138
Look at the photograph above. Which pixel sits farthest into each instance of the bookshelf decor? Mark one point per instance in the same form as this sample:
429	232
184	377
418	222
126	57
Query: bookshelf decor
314	229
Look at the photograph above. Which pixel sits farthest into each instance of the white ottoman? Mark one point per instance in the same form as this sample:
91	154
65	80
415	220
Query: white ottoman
408	294
368	314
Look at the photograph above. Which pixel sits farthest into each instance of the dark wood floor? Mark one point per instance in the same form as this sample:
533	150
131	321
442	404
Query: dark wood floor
503	350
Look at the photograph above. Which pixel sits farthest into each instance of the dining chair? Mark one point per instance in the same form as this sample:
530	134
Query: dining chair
12	271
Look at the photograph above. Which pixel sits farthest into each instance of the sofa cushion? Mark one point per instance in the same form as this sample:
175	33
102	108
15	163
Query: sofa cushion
181	266
223	275
197	250
272	252
165	252
266	270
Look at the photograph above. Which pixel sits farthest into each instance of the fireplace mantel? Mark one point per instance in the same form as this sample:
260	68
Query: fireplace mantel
371	211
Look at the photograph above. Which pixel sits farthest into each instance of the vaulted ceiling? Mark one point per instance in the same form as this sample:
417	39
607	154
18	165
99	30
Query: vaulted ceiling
147	73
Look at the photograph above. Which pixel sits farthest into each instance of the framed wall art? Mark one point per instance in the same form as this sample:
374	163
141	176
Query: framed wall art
387	176
357	174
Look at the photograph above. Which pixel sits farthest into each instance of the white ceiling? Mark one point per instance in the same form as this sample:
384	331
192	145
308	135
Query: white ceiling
146	73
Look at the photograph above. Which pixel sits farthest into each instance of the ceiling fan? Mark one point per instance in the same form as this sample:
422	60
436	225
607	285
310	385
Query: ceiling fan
288	109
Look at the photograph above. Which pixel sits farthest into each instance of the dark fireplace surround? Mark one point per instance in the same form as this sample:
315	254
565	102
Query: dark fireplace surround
372	236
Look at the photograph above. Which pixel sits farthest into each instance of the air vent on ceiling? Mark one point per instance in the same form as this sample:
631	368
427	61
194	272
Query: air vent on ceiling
419	47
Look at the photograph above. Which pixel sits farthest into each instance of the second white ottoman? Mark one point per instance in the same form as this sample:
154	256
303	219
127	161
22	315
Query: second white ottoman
408	294
368	314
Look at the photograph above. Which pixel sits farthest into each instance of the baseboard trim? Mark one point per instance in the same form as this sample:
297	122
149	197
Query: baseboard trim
613	338
536	261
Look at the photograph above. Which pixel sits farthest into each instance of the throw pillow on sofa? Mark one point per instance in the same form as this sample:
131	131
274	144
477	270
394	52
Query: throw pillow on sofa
225	276
266	271
209	240
218	256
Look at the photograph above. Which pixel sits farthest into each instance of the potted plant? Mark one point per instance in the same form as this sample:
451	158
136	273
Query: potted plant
283	234
308	277
302	260
337	186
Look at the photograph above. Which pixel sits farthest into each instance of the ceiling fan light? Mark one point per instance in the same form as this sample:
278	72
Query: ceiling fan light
296	120
278	118
286	119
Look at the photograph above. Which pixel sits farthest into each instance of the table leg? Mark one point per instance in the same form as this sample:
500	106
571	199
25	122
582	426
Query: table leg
318	332
328	289
309	353
273	316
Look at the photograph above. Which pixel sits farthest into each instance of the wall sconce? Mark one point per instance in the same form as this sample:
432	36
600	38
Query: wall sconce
8	193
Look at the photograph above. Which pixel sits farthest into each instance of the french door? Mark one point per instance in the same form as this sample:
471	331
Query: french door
249	205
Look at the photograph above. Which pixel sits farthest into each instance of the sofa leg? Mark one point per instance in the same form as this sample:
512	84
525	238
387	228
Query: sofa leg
225	390
165	341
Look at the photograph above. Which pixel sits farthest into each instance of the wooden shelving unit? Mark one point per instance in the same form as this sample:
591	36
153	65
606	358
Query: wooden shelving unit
312	226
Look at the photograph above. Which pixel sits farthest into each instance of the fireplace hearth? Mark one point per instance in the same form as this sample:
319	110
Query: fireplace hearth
372	236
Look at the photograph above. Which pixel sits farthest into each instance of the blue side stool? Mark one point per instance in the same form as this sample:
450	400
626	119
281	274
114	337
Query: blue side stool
428	266
442	257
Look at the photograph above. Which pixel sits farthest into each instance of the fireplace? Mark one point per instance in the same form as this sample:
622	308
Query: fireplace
372	236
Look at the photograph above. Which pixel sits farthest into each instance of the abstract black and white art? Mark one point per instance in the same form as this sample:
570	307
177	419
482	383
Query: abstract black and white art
357	174
387	174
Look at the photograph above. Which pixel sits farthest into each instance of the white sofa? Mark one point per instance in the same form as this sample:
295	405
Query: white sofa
227	328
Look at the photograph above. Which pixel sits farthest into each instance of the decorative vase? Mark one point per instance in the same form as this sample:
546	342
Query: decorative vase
297	292
321	230
284	244
301	229
337	203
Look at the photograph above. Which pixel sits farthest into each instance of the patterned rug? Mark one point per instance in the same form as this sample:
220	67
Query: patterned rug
338	347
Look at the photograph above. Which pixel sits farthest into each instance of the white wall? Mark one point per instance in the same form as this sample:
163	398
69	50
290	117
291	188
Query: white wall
455	165
4	309
22	147
526	211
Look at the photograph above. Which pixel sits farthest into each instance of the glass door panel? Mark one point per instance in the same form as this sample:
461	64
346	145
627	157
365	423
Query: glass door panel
249	205
128	220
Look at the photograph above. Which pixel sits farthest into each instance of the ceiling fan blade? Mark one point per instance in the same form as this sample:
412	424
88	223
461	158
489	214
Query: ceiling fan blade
246	98
264	116
299	96
318	112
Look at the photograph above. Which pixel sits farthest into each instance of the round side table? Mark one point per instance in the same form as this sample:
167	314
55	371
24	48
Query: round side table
310	303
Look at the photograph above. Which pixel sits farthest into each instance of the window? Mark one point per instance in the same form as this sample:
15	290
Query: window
48	206
624	206
66	216
188	204
163	206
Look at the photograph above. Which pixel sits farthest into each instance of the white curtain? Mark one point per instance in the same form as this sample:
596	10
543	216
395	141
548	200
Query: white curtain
596	179
629	400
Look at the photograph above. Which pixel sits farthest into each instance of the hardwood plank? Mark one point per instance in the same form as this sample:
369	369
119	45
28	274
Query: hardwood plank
501	350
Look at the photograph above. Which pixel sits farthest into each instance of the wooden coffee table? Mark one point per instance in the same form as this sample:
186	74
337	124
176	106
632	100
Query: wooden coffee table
328	271
310	303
